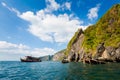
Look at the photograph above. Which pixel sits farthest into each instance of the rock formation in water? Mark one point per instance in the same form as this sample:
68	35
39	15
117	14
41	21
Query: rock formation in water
100	41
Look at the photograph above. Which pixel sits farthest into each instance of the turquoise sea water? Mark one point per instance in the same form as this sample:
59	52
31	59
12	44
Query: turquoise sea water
15	70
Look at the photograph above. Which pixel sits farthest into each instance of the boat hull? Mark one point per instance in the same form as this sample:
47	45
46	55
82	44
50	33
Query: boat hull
23	60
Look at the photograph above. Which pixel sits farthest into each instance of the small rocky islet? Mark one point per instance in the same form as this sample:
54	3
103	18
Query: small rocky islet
98	44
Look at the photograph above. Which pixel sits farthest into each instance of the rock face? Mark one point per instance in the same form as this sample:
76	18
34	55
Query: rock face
59	56
78	41
75	46
72	56
99	42
100	50
111	54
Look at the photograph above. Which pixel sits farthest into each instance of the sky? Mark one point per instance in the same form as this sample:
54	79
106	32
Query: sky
44	27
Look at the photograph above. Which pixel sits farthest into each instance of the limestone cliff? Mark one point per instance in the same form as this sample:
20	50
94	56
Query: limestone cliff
59	55
99	41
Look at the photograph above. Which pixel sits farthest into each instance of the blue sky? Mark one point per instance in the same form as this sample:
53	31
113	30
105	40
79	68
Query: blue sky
43	27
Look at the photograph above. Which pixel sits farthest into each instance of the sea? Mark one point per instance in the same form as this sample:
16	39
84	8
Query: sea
50	70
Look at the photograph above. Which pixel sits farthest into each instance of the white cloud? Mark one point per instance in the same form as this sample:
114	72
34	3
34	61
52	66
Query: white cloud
3	3
93	12
11	9
4	44
50	27
43	51
66	5
10	48
52	6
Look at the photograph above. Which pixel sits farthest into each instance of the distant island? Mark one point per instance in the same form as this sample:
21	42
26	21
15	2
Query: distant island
99	42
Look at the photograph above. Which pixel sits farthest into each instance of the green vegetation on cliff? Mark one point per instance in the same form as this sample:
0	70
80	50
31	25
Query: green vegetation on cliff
106	30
